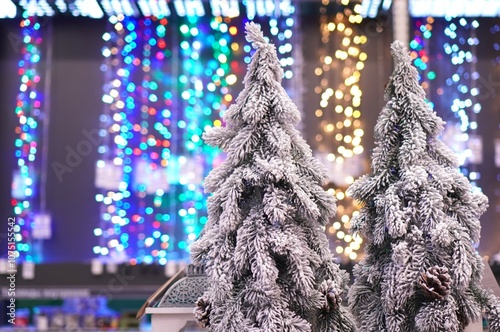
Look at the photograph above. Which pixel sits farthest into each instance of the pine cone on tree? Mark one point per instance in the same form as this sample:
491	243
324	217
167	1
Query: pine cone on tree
435	283
332	295
202	312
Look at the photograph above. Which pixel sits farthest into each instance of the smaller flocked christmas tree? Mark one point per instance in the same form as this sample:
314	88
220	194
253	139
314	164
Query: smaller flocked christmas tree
266	254
420	220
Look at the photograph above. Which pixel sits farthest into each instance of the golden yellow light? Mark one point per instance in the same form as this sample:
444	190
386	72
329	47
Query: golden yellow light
358	132
235	46
358	149
339	104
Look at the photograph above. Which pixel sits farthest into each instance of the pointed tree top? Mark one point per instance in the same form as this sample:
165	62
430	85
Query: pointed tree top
404	78
265	52
255	36
400	53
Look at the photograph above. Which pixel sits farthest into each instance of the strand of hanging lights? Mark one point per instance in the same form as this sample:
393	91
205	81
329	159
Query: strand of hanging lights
29	116
339	141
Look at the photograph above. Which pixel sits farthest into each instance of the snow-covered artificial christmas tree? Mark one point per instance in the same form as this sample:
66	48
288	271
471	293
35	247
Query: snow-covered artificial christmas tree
266	254
420	219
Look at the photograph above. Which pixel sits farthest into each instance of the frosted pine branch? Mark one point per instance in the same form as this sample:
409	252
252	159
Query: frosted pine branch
255	36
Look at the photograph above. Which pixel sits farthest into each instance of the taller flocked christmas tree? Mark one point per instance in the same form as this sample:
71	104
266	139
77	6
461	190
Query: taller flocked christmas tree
267	257
420	220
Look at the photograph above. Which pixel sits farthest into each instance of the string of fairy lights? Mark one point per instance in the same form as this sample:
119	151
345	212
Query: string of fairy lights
153	158
341	61
167	81
205	90
27	142
455	92
136	146
148	175
420	53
